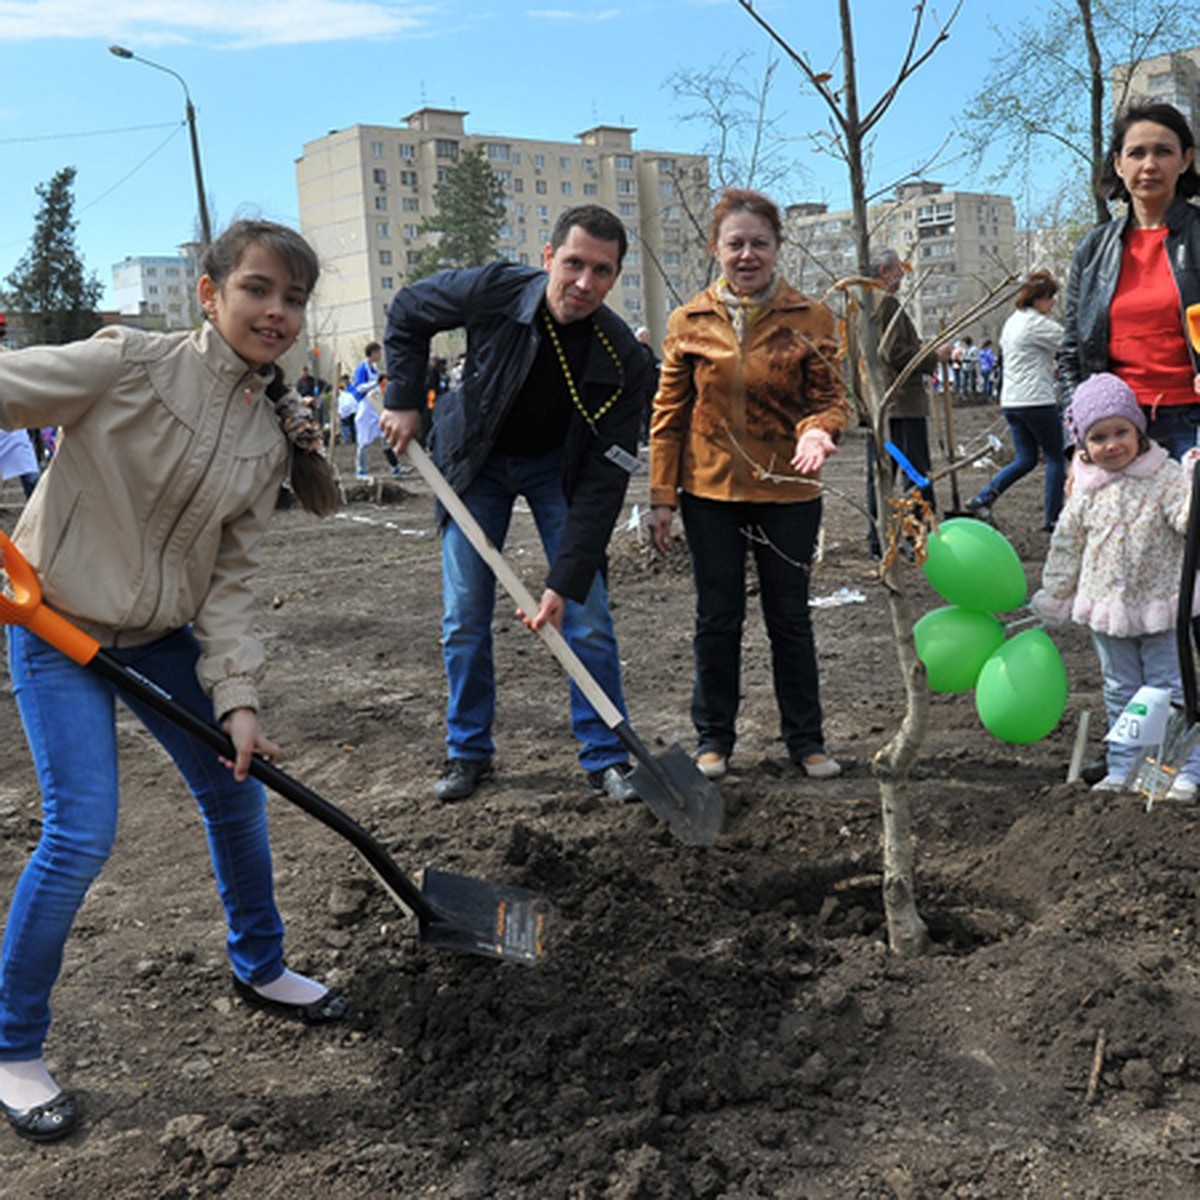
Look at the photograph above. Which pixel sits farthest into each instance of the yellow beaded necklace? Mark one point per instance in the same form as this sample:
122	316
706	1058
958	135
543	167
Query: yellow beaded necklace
576	399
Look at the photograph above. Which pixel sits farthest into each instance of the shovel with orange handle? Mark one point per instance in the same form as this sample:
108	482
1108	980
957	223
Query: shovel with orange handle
454	912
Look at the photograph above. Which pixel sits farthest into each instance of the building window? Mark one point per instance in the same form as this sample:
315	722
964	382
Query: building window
412	257
408	178
626	209
564	162
385	258
539	162
379	176
407	151
446	148
631	281
590	189
410	203
497	151
543	212
566	187
381	204
376	149
624	187
442	172
383	230
505	178
518	184
539	186
151	272
623	162
412	231
666	166
385	282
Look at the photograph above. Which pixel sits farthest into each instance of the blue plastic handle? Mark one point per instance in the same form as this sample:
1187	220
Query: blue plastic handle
920	480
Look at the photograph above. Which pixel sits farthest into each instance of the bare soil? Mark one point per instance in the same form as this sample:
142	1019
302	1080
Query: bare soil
708	1023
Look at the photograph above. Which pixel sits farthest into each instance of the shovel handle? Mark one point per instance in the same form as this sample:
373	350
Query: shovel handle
25	608
512	584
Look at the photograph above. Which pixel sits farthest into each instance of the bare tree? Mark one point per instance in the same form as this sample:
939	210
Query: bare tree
849	133
1047	82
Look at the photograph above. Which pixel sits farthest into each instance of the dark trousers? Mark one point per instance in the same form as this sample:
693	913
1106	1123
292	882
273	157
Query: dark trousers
781	537
911	436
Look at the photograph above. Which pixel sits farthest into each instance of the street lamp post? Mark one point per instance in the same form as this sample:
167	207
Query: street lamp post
205	227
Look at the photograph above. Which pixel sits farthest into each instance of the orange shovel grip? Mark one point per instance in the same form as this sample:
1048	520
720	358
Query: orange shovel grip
25	608
1193	324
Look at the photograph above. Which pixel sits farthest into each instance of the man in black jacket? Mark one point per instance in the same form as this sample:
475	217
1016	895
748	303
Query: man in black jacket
552	390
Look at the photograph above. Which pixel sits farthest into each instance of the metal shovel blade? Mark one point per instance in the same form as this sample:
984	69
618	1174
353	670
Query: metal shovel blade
676	792
477	917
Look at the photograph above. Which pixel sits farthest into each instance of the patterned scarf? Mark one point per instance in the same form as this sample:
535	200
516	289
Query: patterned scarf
744	310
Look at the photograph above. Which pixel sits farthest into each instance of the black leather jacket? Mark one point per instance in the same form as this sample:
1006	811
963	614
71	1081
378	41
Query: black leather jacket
498	306
1093	282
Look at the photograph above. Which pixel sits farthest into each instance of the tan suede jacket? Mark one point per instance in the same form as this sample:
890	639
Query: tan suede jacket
167	470
726	412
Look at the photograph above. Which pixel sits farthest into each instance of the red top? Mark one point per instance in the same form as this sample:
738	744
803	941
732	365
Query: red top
1147	346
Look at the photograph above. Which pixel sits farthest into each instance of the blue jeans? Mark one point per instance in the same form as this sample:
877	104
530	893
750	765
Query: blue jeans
469	596
1175	427
69	719
1038	427
1127	664
781	538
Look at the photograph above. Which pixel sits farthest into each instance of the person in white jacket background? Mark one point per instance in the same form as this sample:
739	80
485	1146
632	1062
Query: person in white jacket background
1028	399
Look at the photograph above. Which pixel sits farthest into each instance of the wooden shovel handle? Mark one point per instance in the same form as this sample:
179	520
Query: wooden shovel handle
512	584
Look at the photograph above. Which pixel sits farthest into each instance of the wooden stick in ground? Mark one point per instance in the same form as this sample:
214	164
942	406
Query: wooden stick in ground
1081	736
1093	1084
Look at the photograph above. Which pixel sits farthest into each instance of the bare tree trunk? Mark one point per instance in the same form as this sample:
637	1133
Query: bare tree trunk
1096	82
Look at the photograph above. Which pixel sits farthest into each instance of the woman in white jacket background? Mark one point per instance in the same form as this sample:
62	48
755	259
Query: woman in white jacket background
1028	344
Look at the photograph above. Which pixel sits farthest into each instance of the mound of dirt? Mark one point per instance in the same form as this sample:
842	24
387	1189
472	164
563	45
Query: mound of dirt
712	1023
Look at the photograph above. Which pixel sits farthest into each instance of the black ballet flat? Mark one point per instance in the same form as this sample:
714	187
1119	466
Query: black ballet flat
45	1122
326	1009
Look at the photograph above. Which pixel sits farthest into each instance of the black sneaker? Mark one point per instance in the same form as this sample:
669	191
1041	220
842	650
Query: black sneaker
613	782
461	777
979	509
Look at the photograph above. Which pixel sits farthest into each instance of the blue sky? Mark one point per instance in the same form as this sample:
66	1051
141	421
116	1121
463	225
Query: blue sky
266	77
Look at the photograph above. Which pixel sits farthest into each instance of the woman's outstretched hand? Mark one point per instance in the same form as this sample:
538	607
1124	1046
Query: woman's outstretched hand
813	447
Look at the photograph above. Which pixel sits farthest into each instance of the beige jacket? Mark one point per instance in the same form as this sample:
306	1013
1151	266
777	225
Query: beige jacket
167	470
725	412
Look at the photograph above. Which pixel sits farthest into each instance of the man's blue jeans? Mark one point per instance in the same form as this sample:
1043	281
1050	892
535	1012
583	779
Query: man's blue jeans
1176	427
69	719
469	596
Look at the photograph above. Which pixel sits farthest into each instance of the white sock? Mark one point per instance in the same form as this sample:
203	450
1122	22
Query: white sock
291	988
24	1084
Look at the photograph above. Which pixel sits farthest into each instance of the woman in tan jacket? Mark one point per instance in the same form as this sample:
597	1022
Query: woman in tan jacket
749	406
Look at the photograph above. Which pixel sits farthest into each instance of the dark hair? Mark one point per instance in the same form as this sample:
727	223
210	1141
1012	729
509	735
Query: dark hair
371	347
735	200
1110	184
595	221
222	257
1038	285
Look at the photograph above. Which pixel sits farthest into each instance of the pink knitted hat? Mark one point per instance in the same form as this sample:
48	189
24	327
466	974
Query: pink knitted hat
1098	398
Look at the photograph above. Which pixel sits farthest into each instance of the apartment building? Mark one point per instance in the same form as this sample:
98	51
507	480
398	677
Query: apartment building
364	191
158	288
959	244
1164	79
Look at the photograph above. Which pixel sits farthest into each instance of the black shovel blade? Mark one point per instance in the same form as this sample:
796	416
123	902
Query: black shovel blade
477	917
676	792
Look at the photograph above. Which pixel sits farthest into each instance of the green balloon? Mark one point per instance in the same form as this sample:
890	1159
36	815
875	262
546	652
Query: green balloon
1022	689
954	643
973	565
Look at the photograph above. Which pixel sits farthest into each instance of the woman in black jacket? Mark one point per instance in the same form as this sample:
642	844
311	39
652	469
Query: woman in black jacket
1132	279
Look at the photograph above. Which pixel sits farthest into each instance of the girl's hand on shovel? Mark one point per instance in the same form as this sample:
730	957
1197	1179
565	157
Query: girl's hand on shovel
550	609
248	739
